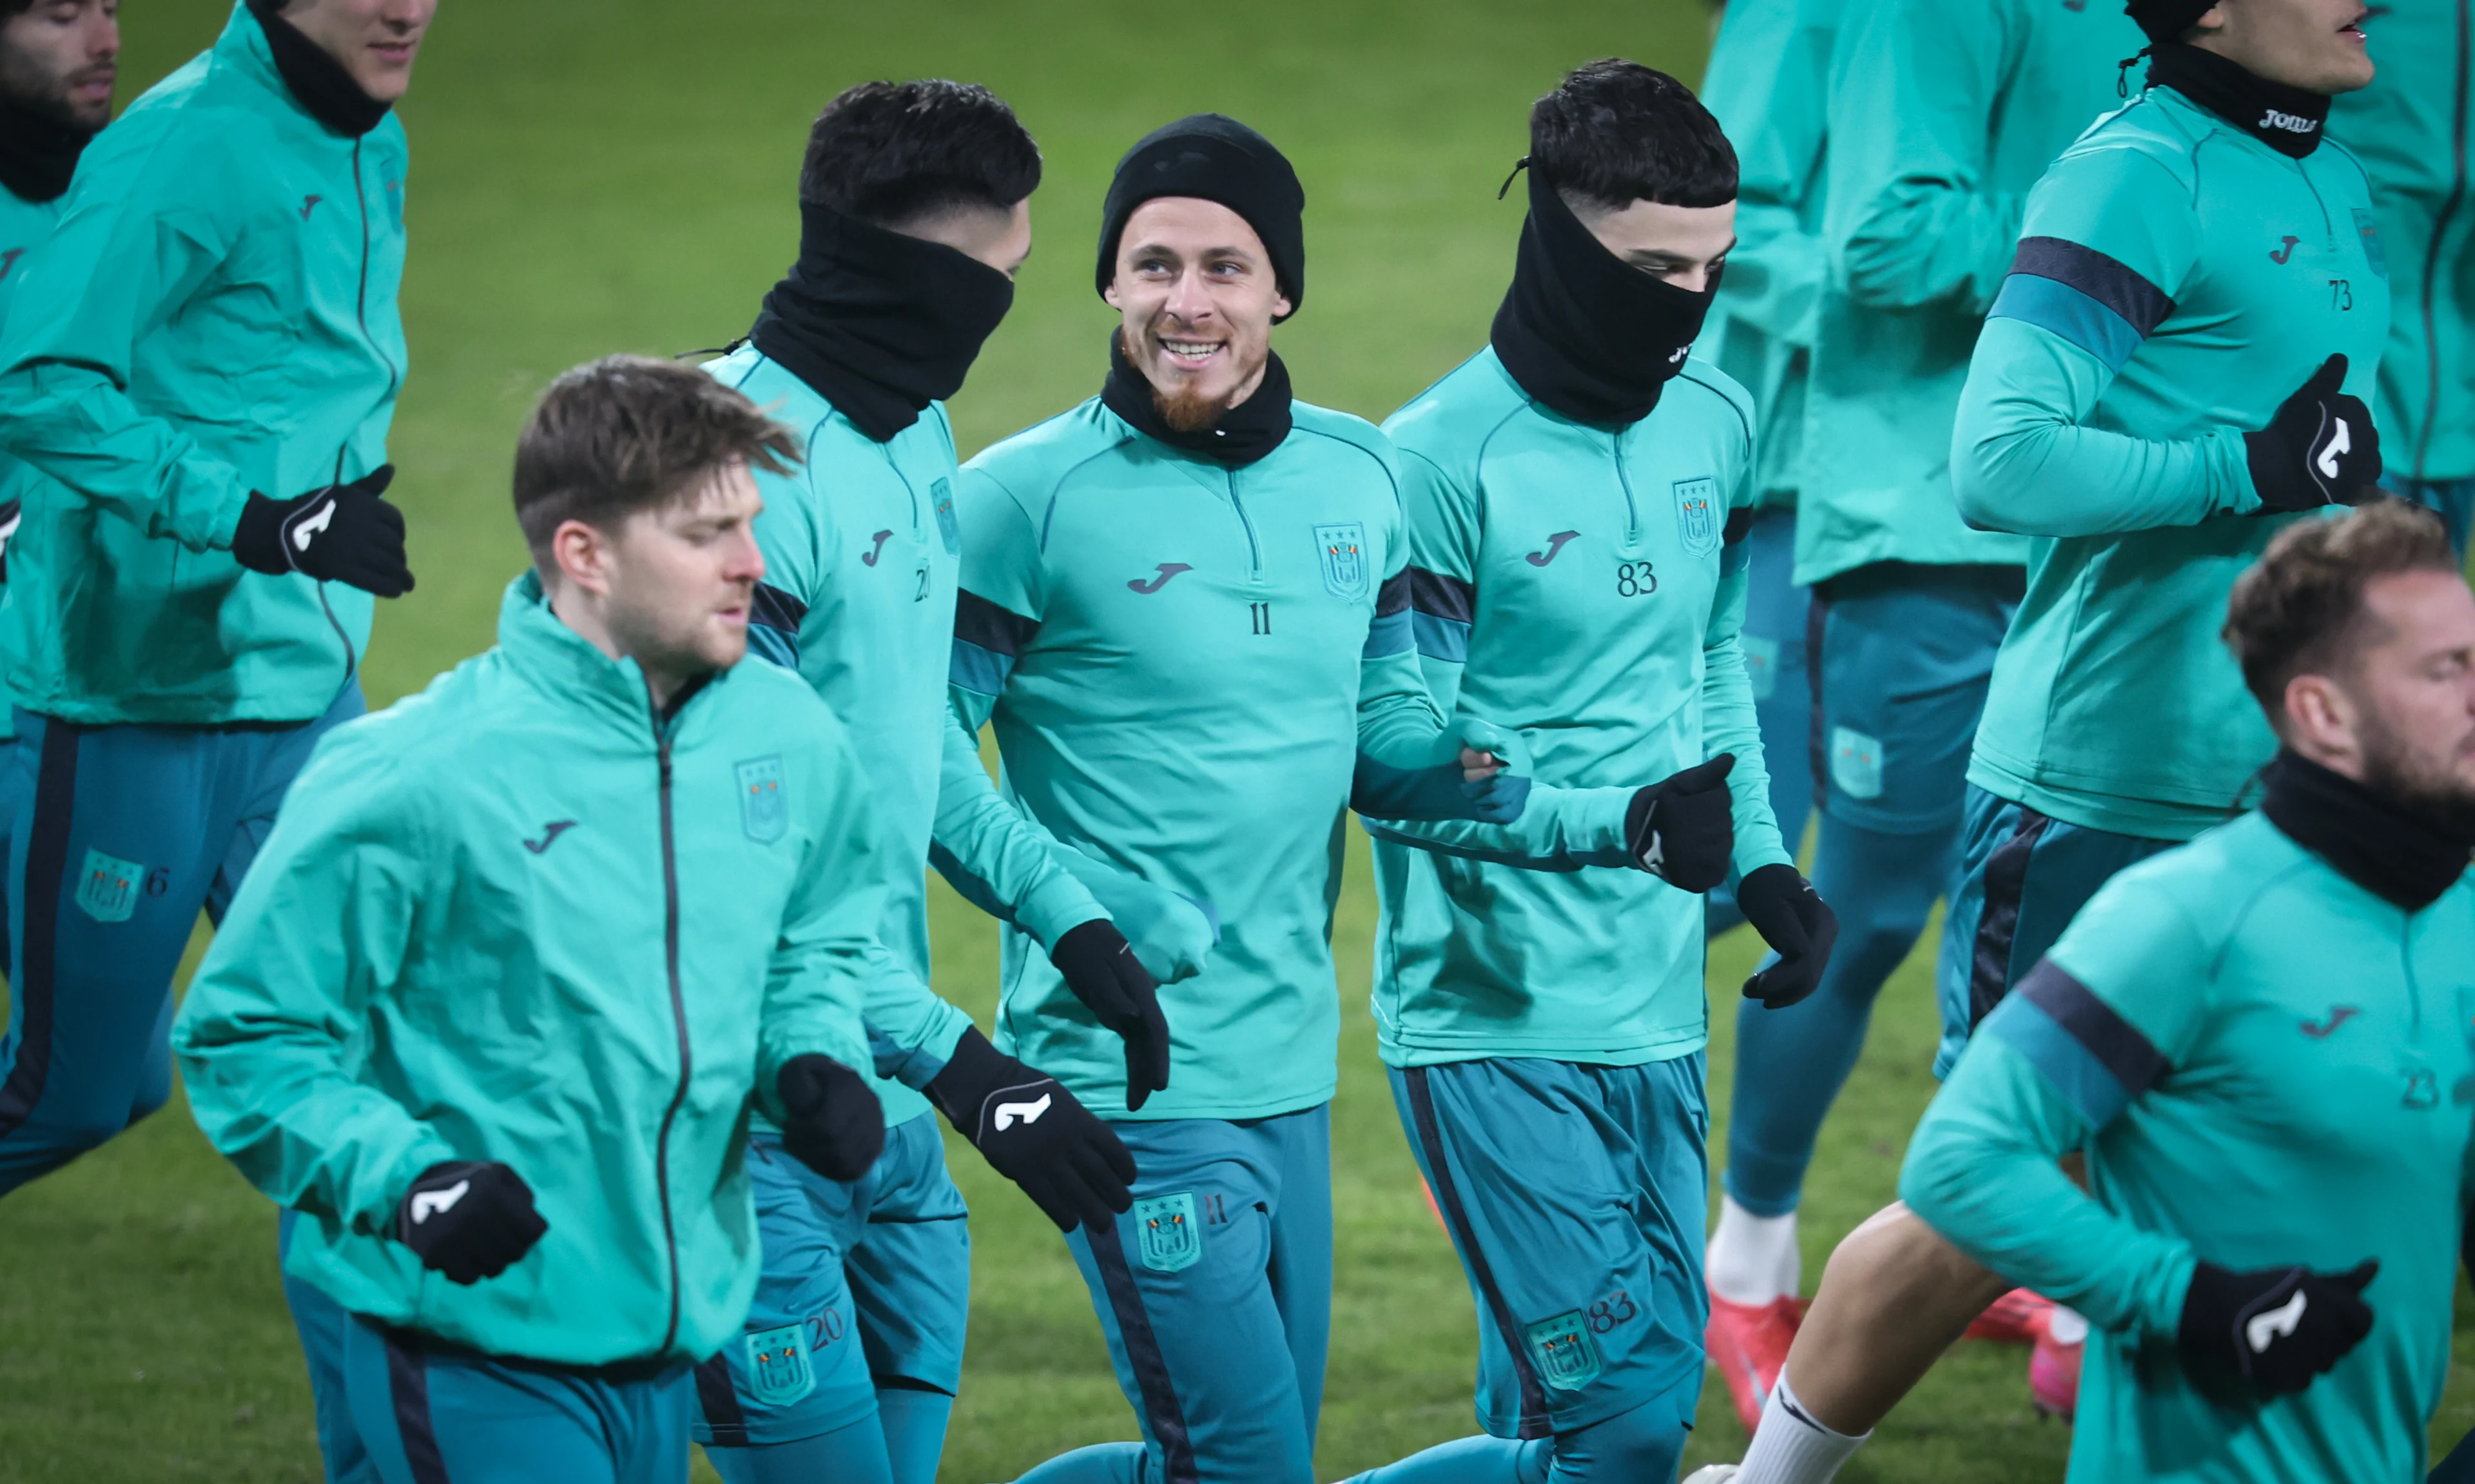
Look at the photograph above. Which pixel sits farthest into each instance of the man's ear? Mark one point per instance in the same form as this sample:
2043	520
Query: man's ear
582	554
2321	717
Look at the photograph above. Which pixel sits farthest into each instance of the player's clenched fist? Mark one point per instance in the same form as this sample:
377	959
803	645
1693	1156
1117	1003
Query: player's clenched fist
343	533
469	1219
1684	830
1035	1134
2321	447
831	1122
2279	1327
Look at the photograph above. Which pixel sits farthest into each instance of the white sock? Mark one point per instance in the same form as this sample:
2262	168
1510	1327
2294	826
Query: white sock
2068	1325
1754	1260
1790	1447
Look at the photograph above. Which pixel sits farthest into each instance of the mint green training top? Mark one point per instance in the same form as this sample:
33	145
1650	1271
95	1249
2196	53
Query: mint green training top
2178	282
2412	130
1767	82
522	917
1943	113
2267	1065
24	226
1573	586
216	315
1184	663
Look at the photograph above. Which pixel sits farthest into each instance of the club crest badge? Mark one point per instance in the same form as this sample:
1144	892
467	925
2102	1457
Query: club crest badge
778	1369
1856	763
940	496
107	887
1567	1358
764	810
1171	1240
2368	229
1698	519
1342	548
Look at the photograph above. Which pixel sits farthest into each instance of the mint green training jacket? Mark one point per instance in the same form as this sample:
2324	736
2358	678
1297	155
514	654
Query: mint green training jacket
1943	113
24	226
1767	83
1184	663
862	543
2411	131
2267	1065
1573	586
215	316
2178	280
522	917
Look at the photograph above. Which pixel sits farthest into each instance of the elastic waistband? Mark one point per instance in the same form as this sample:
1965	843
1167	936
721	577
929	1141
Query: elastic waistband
617	1373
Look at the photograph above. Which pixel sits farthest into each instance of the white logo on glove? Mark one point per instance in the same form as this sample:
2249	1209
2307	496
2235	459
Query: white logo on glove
303	532
427	1204
2275	1325
1028	1113
2339	443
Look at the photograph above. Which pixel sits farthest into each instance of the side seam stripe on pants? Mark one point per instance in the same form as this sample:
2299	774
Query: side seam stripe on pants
1998	916
1144	1355
47	861
721	1402
408	1385
1534	1422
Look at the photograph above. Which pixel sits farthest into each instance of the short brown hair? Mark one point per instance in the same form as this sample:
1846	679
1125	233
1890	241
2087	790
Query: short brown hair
2298	609
627	433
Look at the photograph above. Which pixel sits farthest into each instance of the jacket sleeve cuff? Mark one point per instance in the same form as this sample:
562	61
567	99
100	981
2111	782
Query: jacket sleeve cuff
917	1066
1058	904
2163	1315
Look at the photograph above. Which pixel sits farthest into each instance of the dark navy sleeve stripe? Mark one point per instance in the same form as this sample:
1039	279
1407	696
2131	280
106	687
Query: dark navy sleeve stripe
2083	296
777	609
995	629
1439	597
2139	303
1394	596
2096	1059
1740	524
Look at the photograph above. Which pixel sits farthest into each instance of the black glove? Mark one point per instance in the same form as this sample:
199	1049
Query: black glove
469	1219
1034	1132
1799	926
1104	974
1683	831
2321	447
2278	1328
12	513
831	1122
343	533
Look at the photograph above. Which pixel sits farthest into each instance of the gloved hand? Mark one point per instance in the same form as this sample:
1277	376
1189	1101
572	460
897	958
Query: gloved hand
343	533
831	1122
1104	974
469	1219
1034	1132
2279	1327
12	513
1683	831
2319	448
1799	925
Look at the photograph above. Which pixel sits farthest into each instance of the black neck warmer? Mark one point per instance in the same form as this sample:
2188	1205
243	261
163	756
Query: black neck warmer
2286	119
38	152
1246	432
318	81
1582	331
881	325
2396	851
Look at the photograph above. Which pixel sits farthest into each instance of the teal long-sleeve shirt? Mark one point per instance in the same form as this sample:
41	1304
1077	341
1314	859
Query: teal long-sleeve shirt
1572	586
2178	280
521	917
1767	83
2266	1065
2412	130
1184	664
1943	113
216	314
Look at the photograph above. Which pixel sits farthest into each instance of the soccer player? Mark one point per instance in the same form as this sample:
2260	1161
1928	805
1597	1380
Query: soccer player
2412	130
1576	496
58	63
522	951
916	212
1185	604
1941	113
2260	1039
2162	379
1764	86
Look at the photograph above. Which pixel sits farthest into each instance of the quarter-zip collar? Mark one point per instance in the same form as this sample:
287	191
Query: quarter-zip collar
2286	119
563	663
2401	854
271	50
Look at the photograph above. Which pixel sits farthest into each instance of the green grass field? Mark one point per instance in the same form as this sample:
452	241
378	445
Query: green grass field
600	175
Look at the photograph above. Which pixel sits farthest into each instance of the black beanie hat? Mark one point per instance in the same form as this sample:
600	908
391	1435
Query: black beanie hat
2165	20
1214	157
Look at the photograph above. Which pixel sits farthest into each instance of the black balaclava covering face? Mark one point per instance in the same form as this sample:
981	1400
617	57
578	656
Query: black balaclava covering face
2286	119
1582	331
2405	855
1243	434
38	152
1214	157
317	80
881	325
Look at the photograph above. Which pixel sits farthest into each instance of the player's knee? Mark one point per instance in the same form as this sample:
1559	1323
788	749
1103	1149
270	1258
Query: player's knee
1644	1443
